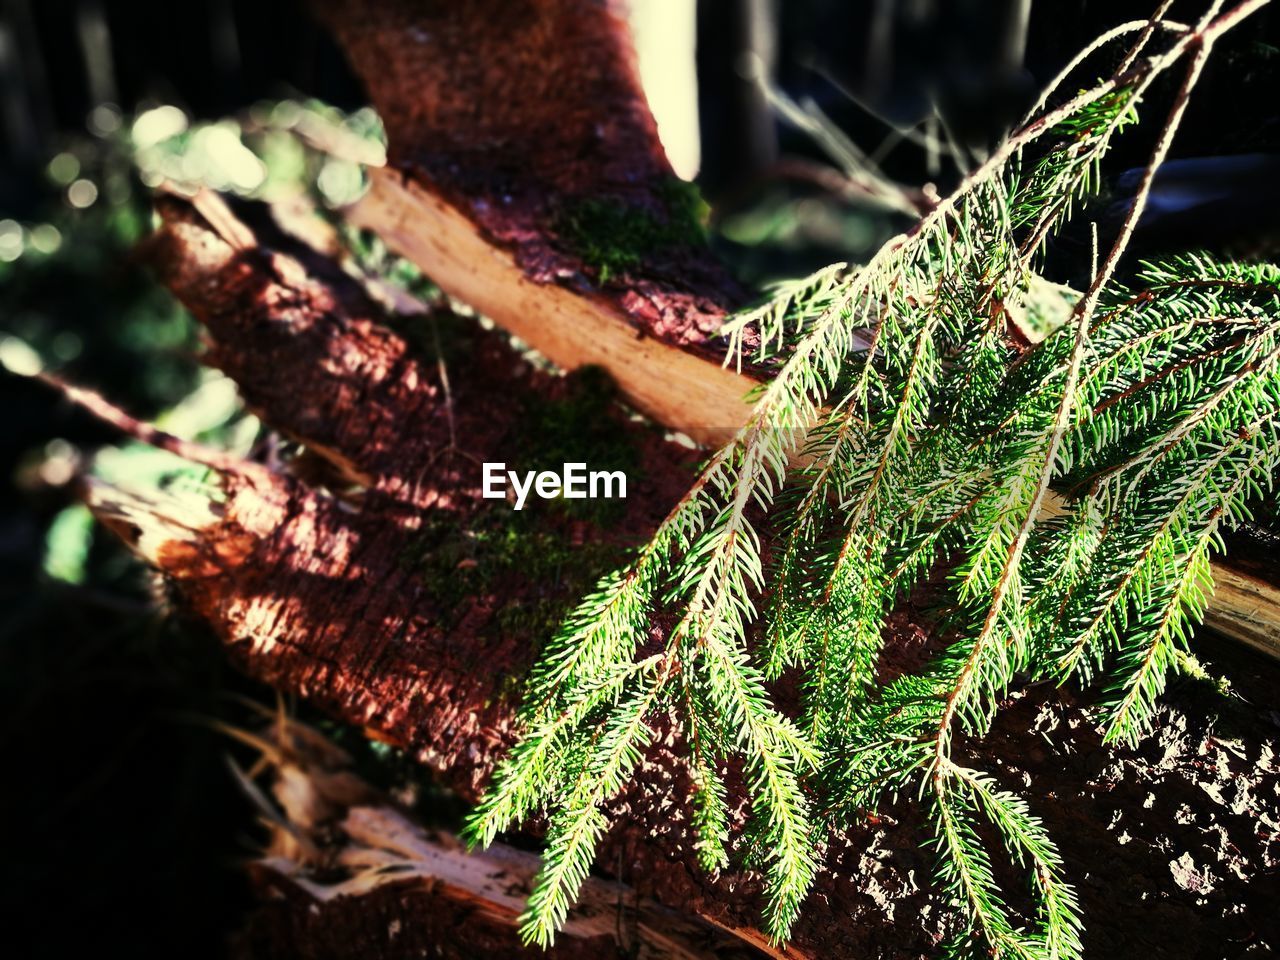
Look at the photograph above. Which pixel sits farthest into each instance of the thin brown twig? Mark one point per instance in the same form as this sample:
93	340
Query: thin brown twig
103	409
1156	20
1204	38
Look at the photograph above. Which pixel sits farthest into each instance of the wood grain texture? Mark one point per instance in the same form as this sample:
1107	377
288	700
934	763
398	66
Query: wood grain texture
685	390
1245	608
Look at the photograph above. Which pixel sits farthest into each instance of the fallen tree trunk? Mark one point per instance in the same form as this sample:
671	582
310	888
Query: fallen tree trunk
312	592
315	358
321	594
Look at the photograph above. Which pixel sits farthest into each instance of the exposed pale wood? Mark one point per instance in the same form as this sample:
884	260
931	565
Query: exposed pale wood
677	388
1245	608
304	787
385	847
572	329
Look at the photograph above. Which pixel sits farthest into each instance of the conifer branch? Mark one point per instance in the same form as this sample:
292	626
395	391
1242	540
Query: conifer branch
929	440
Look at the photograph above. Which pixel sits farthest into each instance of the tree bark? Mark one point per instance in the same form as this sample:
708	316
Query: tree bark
311	587
310	591
503	118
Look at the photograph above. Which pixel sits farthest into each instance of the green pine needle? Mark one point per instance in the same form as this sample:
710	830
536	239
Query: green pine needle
1072	492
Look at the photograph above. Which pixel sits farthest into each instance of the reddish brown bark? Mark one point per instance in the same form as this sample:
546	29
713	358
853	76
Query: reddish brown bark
311	593
520	111
313	355
319	594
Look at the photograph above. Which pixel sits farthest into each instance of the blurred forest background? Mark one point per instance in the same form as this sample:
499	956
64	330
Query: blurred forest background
121	823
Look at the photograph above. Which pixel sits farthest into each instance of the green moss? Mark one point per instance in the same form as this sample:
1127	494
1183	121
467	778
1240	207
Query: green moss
526	561
574	428
612	236
531	569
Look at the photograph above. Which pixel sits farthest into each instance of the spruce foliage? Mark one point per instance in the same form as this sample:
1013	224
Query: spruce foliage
1064	499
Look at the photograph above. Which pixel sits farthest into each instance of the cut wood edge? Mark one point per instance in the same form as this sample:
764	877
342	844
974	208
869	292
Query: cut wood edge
1246	609
151	520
